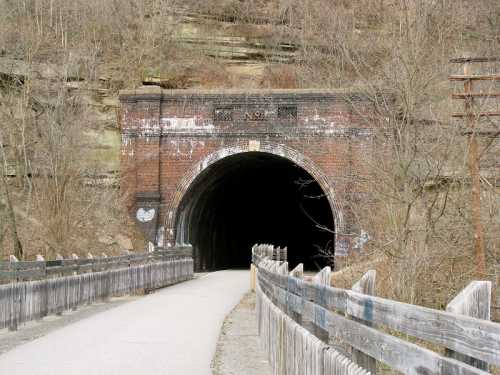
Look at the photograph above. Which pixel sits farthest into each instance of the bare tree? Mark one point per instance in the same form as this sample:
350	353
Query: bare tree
8	207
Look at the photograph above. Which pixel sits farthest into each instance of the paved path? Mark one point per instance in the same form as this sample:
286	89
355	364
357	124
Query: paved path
38	328
171	332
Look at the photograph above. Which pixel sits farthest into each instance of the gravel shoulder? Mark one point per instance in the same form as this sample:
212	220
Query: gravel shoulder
239	346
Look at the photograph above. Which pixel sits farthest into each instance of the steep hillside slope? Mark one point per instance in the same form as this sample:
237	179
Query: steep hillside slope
63	62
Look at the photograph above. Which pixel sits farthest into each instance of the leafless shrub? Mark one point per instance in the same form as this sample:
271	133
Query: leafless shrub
395	50
280	77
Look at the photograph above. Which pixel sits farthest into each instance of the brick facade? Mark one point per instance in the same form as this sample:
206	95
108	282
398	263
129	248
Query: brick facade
170	136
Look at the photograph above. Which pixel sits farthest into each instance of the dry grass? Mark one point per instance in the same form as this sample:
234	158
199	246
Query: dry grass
280	77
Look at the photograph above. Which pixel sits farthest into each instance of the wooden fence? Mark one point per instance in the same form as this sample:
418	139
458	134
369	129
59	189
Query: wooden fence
21	302
41	269
314	328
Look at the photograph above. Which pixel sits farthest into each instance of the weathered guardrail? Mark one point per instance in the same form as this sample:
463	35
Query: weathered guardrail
21	302
314	328
40	269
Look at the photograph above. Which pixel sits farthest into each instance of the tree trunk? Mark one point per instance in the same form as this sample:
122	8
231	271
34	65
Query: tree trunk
11	219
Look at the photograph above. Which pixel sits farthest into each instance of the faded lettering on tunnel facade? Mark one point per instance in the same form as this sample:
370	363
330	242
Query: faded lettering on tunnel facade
225	169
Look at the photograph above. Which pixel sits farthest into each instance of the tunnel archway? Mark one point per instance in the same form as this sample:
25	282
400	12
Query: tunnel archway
255	197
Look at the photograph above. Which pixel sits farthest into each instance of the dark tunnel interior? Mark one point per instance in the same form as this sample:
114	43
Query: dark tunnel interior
253	198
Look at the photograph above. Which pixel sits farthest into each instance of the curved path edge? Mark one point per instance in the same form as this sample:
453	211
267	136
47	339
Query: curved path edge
173	331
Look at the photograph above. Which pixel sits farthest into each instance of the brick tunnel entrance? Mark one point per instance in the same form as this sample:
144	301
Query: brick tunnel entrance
254	197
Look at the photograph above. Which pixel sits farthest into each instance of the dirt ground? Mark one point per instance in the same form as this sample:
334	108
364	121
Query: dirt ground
238	346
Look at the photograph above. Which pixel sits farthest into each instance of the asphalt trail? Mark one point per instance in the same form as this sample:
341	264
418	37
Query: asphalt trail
173	331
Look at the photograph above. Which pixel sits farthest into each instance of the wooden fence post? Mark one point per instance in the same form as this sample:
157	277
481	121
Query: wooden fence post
44	309
321	278
298	273
283	297
474	301
366	285
94	265
43	293
13	259
285	254
496	293
270	251
253	277
283	268
75	258
16	298
102	262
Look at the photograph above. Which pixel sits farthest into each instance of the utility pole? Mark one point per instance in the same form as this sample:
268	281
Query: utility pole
471	115
473	158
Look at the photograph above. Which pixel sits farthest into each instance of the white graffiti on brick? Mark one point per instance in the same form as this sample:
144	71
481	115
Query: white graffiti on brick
144	215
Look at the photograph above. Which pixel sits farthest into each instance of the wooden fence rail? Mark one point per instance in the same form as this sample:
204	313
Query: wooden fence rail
21	302
41	269
295	351
366	329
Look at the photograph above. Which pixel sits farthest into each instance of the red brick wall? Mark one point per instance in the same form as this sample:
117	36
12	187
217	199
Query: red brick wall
168	137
